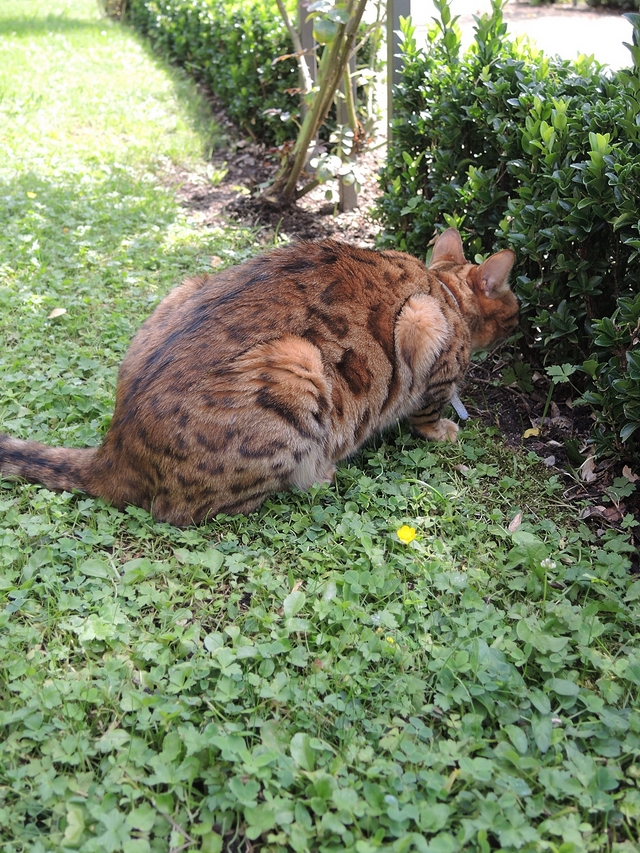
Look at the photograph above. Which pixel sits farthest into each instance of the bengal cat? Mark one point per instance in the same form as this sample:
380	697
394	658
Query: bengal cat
262	377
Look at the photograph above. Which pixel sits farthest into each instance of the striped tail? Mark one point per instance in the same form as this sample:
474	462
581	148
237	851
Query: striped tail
57	468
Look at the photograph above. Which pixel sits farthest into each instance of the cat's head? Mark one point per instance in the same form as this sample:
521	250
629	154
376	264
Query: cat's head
487	301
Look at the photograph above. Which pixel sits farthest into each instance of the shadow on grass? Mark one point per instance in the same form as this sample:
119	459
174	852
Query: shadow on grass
54	220
106	250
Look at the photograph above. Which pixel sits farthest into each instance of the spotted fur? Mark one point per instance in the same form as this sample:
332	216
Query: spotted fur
261	378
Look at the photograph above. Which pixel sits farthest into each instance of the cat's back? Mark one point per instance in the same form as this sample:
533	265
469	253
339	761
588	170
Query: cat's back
324	290
286	281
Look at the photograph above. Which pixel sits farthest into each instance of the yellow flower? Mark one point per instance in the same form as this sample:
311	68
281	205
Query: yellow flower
406	534
390	640
32	195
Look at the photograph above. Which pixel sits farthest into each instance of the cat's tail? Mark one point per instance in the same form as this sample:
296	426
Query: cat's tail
58	468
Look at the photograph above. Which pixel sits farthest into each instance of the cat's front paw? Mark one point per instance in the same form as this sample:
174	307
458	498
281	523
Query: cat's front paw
441	430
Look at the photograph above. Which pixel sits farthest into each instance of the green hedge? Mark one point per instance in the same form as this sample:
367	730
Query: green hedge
232	48
541	155
627	5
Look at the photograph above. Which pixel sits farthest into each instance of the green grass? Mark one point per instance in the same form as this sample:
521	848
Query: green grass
300	679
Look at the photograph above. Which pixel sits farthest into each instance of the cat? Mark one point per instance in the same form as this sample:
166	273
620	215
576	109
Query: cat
262	377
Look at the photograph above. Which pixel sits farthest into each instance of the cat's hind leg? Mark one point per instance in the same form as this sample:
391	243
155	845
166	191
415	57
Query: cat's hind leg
424	352
290	407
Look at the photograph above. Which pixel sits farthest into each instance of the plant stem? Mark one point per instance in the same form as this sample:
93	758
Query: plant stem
547	404
350	104
332	67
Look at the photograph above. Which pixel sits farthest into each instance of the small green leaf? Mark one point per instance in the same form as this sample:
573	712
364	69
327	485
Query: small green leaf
518	738
561	372
562	686
142	818
260	819
542	728
301	752
293	603
633	593
212	559
211	843
590	367
135	845
345	798
245	792
96	569
339	14
324	30
75	826
324	786
113	739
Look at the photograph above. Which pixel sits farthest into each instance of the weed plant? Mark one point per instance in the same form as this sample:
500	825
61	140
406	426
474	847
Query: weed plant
305	678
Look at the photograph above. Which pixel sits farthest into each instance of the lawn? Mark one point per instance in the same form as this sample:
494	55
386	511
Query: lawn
304	678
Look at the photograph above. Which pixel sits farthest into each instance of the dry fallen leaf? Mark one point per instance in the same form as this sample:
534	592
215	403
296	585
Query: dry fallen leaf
611	514
588	511
587	470
515	522
614	514
559	421
628	473
57	312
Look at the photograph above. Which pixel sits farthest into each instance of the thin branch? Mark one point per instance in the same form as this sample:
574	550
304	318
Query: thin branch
307	188
373	28
188	840
307	82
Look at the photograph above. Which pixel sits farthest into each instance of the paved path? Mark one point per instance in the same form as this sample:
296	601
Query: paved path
565	30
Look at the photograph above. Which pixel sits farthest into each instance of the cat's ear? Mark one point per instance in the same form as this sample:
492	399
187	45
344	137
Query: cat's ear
492	276
448	247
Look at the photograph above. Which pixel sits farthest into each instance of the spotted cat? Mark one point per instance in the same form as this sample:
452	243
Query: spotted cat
262	377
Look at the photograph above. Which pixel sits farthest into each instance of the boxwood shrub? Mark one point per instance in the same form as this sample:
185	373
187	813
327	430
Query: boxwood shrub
233	47
542	155
614	4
